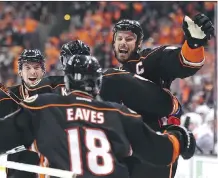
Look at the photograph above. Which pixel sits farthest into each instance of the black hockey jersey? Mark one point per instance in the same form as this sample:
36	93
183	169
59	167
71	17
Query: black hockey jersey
139	94
88	137
165	63
7	106
161	66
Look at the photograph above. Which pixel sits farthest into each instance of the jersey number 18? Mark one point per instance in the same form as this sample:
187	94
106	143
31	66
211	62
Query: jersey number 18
102	152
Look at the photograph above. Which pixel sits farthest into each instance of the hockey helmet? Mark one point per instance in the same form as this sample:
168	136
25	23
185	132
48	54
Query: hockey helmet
72	48
83	73
129	25
31	55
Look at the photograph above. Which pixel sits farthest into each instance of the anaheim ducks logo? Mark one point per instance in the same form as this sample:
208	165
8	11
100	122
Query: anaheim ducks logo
31	99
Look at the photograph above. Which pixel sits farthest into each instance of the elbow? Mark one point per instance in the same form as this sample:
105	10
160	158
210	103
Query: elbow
173	105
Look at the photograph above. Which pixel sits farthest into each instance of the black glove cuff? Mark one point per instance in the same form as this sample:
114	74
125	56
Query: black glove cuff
195	43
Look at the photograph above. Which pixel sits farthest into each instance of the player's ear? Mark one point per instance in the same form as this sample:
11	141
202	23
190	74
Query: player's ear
44	71
114	39
19	73
140	44
43	74
113	45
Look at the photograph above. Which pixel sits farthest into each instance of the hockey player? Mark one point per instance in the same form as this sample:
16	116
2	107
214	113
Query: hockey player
56	83
31	67
90	137
161	102
160	65
163	64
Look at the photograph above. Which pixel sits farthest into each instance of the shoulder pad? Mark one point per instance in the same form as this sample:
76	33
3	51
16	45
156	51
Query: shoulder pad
115	70
147	51
144	52
113	104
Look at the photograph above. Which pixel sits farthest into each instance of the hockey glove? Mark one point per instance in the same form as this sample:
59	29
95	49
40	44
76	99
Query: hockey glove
197	31
174	118
186	140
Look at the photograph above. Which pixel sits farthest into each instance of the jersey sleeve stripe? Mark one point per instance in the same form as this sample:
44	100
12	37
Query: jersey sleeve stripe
176	147
3	99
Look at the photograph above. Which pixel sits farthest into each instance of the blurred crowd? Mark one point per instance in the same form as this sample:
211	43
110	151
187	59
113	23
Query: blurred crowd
48	25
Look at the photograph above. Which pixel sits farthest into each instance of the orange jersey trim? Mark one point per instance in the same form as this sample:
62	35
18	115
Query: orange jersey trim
29	89
176	147
144	57
5	99
116	73
84	105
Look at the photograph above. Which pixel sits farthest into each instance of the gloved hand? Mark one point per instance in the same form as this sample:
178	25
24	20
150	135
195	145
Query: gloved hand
174	118
185	138
197	31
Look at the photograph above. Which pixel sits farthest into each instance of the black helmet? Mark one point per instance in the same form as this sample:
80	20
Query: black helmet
72	48
31	55
83	73
129	25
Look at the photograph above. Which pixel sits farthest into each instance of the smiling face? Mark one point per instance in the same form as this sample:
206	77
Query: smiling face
124	45
31	73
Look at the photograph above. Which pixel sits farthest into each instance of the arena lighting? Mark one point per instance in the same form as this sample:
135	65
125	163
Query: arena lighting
67	17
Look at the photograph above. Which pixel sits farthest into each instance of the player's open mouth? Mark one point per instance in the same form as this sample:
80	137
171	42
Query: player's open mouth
123	51
33	79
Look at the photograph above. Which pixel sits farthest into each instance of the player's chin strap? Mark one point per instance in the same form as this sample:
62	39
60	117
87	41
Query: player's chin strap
38	169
